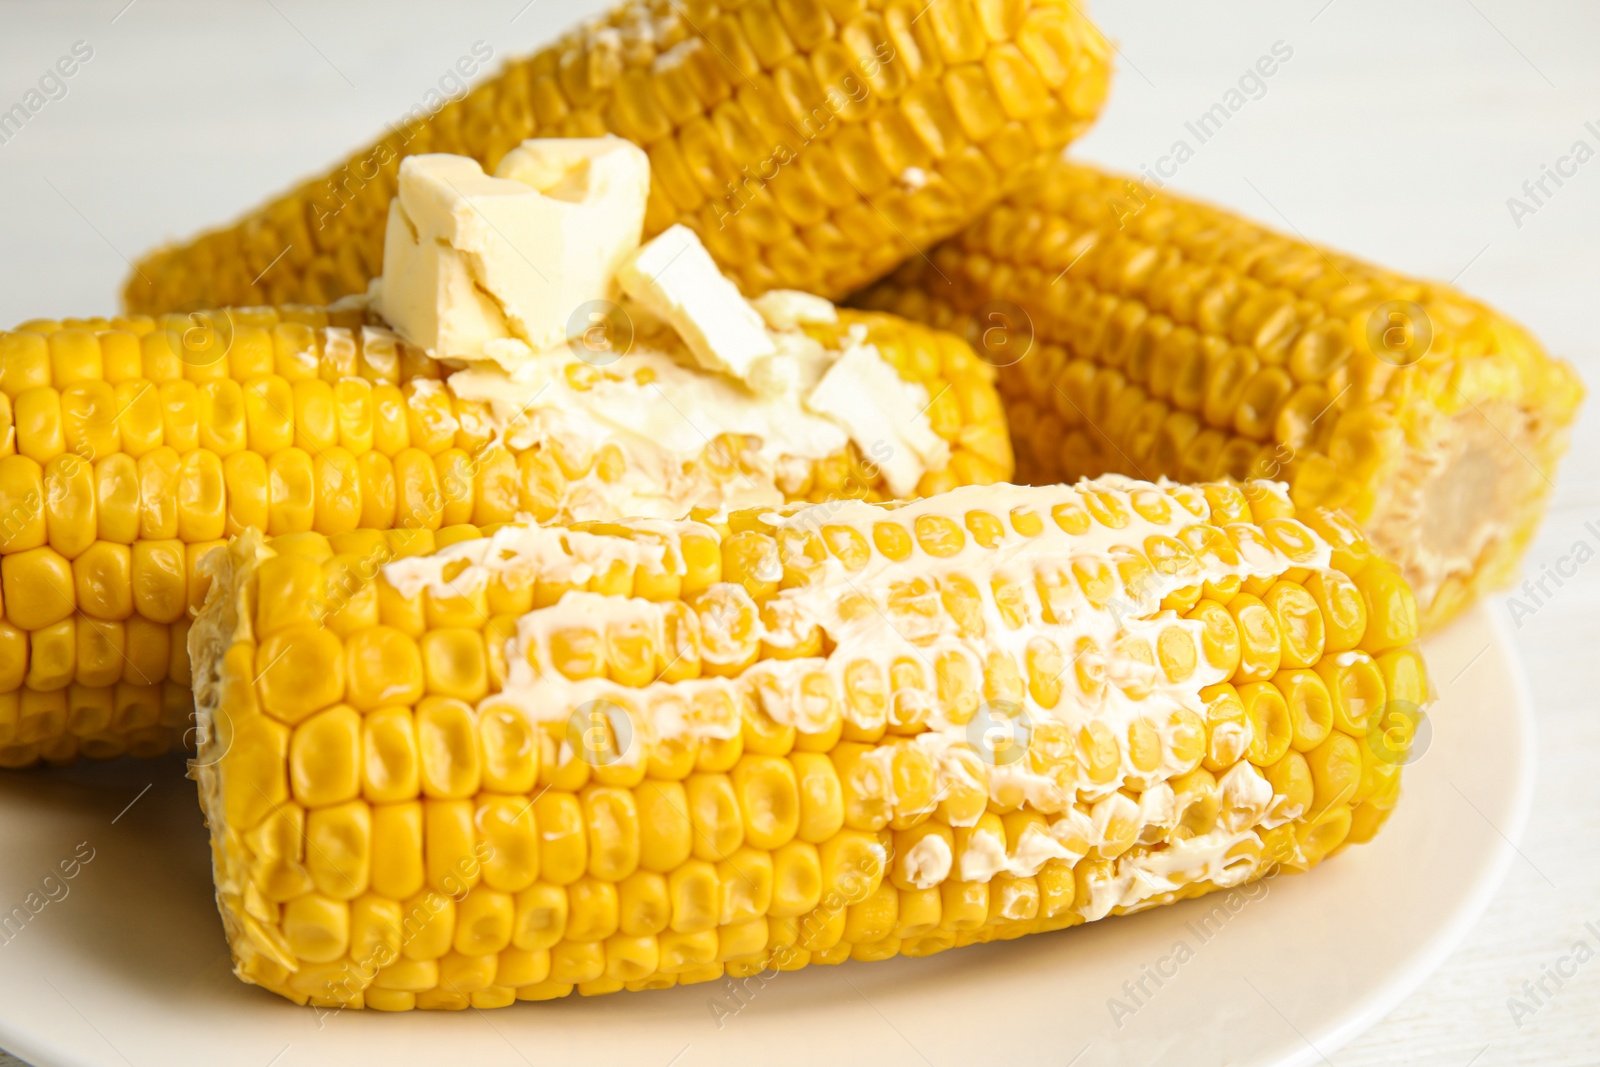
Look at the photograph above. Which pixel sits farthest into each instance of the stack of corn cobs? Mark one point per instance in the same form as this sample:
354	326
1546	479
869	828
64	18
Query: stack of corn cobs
466	738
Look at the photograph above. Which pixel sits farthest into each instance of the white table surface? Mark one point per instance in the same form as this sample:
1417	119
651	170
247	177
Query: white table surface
1396	131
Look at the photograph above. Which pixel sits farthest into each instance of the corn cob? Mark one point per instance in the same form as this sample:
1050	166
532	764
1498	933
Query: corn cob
812	145
634	755
1172	338
132	446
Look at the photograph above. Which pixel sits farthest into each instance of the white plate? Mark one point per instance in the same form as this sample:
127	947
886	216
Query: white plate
129	966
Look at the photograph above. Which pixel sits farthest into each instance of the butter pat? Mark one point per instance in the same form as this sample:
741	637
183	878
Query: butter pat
674	278
428	293
471	259
790	309
597	187
775	375
885	415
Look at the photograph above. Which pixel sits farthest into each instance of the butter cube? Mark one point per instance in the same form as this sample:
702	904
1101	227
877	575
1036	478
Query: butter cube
885	415
674	278
471	259
428	293
597	187
791	309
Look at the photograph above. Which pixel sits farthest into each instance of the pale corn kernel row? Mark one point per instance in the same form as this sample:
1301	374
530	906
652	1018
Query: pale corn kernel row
131	447
812	144
1146	334
629	756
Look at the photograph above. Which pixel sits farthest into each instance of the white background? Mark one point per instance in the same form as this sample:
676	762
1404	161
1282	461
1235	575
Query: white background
1397	131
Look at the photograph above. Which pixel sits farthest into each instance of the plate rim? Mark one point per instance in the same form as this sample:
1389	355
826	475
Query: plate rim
1404	981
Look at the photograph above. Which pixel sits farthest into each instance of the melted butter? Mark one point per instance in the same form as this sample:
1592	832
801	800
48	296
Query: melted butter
1036	848
671	423
927	863
1149	877
887	611
984	857
529	553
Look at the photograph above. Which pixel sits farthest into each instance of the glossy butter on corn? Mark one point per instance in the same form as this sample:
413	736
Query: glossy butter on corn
130	447
1172	338
813	144
640	754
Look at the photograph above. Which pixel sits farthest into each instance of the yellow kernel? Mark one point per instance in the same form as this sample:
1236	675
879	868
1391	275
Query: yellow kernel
563	853
1106	508
694	892
1260	641
1356	689
509	748
325	758
1271	728
1176	652
612	818
390	761
892	541
1335	770
339	849
578	653
397	843
447	747
938	535
643	907
1291	779
299	670
751	560
987	530
1098	752
1299	622
591	910
454	663
1071	517
539	917
483	925
1310	707
847	545
714	814
316	928
1391	608
1026	522
449	858
768	799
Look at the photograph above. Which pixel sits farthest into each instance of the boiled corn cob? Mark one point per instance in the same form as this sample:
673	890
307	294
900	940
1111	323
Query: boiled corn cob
133	446
634	755
813	145
1171	338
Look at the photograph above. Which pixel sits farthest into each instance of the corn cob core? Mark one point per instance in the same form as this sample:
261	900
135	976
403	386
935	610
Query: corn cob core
812	145
631	755
133	446
1171	338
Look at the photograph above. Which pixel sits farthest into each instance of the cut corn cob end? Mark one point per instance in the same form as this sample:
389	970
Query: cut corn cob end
131	446
811	145
637	755
1164	337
